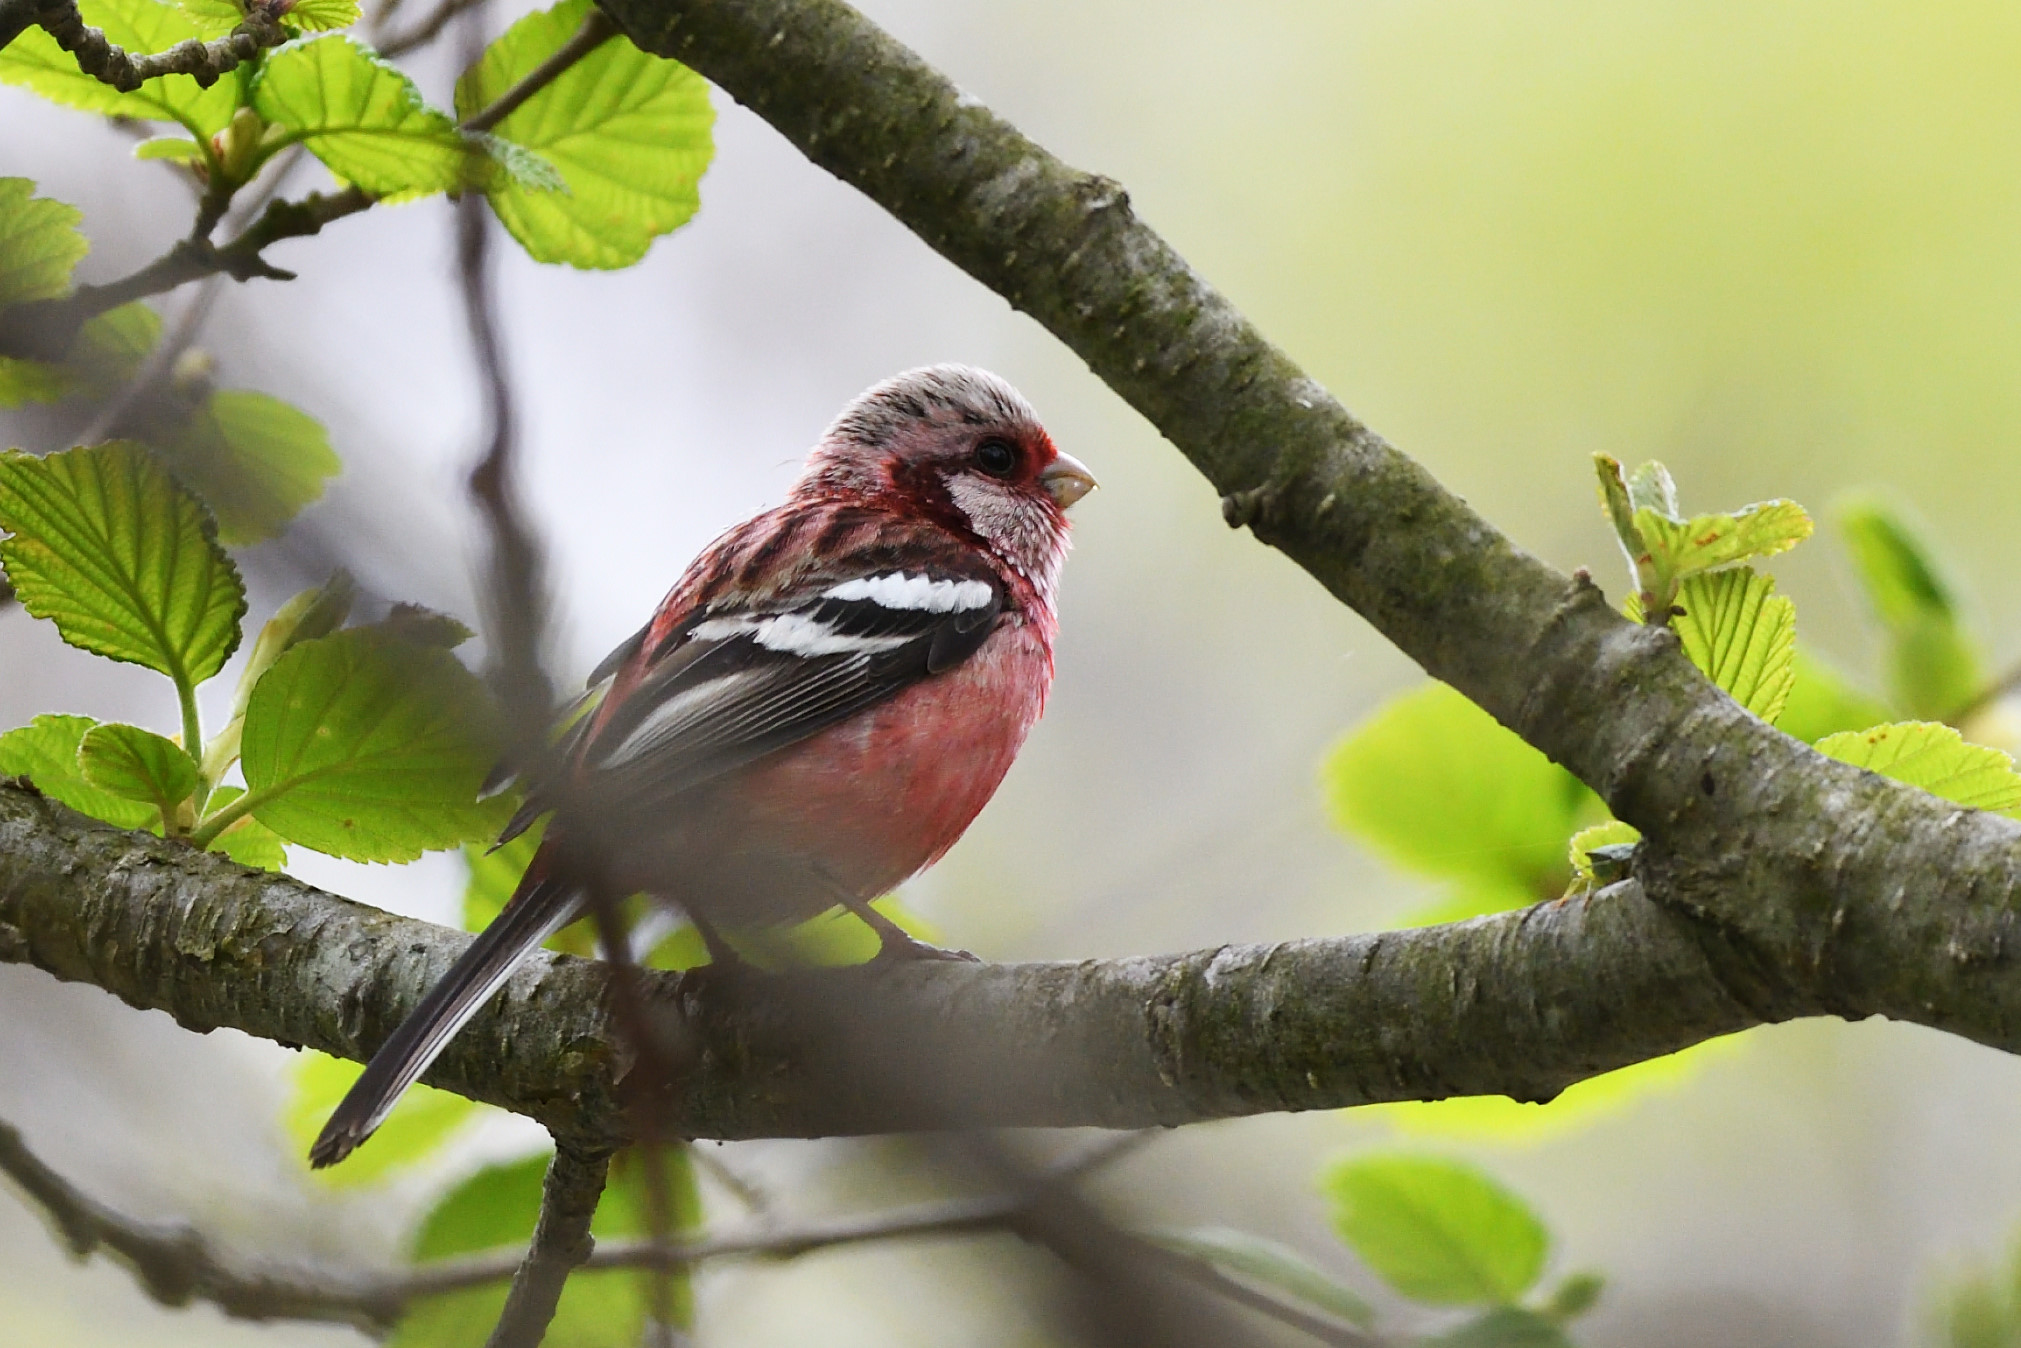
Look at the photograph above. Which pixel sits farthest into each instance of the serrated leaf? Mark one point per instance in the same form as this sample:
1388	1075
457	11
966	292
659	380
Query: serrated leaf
419	1125
1434	784
173	149
362	117
255	461
1742	634
34	61
370	748
248	842
39	243
139	765
121	558
1271	1265
1934	667
630	135
1933	756
1712	542
45	752
498	1207
1438	1231
1586	841
1504	1327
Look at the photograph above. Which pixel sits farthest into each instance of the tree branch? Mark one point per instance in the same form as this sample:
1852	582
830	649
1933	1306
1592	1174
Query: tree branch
205	62
176	1266
1837	890
561	1244
44	329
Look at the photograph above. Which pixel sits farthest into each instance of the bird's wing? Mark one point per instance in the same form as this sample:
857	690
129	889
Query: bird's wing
732	684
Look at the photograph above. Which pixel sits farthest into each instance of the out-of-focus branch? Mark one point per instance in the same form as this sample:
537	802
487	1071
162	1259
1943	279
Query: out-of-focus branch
44	329
205	62
176	1266
422	33
561	1243
596	30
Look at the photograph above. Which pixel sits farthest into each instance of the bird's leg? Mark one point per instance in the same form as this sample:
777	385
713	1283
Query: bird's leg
896	943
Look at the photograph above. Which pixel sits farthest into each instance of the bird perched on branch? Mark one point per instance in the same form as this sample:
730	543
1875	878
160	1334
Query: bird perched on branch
815	713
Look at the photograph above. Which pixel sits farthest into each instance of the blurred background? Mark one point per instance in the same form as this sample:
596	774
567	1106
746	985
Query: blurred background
1777	245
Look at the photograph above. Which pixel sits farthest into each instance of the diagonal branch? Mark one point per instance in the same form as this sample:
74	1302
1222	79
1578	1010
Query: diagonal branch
103	60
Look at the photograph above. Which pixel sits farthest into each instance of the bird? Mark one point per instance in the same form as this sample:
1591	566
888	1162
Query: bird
815	713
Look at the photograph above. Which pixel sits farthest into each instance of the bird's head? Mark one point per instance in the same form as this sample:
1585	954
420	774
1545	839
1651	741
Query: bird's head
960	446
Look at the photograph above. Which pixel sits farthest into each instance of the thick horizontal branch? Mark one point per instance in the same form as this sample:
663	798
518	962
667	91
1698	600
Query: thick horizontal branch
1830	881
1523	1004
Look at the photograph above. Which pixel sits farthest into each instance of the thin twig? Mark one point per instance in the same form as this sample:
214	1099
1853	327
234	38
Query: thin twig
752	1196
595	31
561	1242
44	329
422	33
175	1266
205	62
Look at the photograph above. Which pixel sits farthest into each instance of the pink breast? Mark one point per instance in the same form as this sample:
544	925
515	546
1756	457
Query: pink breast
882	795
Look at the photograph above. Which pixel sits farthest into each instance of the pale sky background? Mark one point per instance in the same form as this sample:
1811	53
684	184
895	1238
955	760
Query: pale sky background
1777	245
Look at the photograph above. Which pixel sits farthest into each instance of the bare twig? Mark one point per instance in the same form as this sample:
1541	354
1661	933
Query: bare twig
44	329
205	62
595	31
422	33
175	1266
561	1243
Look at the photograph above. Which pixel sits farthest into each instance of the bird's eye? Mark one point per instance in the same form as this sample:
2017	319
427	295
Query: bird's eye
996	457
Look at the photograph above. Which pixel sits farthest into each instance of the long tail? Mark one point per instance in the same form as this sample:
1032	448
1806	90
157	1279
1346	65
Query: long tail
541	906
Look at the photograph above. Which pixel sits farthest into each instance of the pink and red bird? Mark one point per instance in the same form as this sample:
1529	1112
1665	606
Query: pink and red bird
816	712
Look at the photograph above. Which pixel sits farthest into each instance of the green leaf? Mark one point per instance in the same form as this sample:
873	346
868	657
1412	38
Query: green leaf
1576	1295
1505	1327
1743	635
497	1207
110	347
629	133
315	16
1712	542
173	149
253	459
1586	841
125	562
1271	1265
363	118
1434	784
1933	756
250	843
34	61
45	752
138	764
39	243
30	381
417	1128
1650	487
1823	702
1934	667
370	748
1438	1231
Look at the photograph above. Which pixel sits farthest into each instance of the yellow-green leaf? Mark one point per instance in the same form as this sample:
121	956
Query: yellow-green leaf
137	764
417	1128
1934	666
1933	756
39	243
121	558
1742	634
174	149
363	118
1438	1231
256	461
1712	542
45	752
1586	841
248	841
629	133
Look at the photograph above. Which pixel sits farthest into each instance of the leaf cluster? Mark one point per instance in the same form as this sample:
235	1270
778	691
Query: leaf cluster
1436	786
359	742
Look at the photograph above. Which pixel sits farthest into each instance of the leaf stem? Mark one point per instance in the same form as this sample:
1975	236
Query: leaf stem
207	832
192	736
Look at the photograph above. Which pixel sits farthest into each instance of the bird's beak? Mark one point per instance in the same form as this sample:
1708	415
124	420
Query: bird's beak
1066	479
